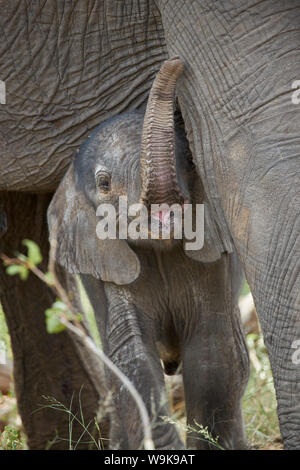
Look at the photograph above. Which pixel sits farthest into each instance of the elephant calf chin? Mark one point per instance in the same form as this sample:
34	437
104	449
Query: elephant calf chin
153	298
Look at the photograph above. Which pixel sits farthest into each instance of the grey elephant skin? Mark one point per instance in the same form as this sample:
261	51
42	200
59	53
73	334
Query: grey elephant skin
158	301
66	70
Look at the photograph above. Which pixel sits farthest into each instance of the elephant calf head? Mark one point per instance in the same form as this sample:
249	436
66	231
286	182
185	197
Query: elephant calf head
135	155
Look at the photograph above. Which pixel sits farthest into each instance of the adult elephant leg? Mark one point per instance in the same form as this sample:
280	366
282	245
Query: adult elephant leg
243	126
44	365
126	340
216	362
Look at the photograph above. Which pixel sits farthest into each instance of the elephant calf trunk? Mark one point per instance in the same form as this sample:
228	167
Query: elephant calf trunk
158	168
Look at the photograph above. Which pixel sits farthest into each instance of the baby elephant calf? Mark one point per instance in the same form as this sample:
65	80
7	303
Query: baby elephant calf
156	297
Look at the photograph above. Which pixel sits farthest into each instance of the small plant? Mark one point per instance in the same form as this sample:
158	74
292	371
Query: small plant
259	401
54	315
91	434
62	316
11	439
198	430
61	309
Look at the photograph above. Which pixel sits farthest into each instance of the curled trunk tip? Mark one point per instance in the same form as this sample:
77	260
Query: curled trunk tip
173	66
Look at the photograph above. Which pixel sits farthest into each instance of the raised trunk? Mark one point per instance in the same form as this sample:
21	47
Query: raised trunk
236	97
44	364
158	168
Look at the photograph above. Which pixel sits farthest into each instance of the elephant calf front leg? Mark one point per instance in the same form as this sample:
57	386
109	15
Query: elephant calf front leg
125	344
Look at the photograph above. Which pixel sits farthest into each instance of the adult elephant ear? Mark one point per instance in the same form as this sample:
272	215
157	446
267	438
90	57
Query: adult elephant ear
213	247
72	223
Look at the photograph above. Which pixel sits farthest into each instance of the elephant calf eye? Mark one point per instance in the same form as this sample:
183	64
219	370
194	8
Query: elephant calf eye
103	181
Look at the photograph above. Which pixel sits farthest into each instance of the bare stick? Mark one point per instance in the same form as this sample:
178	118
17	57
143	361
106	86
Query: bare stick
89	344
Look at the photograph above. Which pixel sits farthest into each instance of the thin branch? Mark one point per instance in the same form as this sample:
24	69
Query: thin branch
91	346
76	328
51	268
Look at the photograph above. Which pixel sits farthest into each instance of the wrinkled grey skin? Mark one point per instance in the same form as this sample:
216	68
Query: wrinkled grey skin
69	67
173	308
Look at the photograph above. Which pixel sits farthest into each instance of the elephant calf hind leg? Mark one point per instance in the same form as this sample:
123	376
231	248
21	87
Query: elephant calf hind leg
215	374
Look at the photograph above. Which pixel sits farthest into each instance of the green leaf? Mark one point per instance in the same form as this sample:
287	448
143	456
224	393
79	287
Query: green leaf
34	252
53	323
59	305
13	269
18	269
24	273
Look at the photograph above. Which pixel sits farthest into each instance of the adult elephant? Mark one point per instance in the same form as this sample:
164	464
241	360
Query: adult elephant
243	127
71	65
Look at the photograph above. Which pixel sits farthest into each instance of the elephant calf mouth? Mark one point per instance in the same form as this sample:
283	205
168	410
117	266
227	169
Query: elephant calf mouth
163	226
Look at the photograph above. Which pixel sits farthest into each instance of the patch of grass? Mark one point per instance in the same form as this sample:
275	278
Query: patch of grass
12	439
198	431
91	433
259	401
245	289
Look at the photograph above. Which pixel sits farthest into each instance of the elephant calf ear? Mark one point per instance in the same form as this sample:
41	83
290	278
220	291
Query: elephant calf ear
72	222
212	247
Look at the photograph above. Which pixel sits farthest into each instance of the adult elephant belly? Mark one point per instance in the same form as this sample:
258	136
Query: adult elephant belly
66	69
